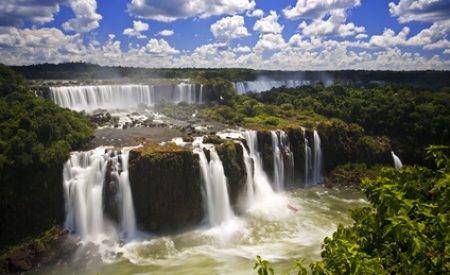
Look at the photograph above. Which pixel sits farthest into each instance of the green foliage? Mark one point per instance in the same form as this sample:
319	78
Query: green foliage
412	117
36	138
263	266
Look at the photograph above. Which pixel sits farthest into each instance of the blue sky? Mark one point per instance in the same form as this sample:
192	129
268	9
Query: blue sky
294	34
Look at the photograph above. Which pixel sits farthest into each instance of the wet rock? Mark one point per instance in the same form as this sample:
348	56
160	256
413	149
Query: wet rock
166	187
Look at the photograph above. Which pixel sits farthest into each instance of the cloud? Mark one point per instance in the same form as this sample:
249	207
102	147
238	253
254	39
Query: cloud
158	47
229	28
313	9
242	49
138	28
171	10
328	17
268	24
333	26
86	17
165	33
14	13
255	13
434	37
420	10
22	46
269	42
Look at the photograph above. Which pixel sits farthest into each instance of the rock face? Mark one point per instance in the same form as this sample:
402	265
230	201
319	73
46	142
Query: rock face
265	148
166	187
297	144
232	156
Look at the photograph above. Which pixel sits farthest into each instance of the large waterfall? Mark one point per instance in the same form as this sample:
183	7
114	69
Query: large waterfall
94	181
215	182
89	98
397	162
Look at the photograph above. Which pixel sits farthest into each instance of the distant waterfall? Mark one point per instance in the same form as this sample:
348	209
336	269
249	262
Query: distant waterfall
258	86
215	182
84	189
313	160
397	162
259	190
89	98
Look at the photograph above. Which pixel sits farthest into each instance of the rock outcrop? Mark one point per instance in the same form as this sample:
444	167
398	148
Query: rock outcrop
166	187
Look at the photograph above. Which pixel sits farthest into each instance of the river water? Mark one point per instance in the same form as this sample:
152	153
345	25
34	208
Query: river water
277	234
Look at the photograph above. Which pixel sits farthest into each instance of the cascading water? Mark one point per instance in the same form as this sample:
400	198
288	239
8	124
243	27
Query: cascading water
283	159
258	86
397	162
215	182
84	189
89	98
278	162
259	190
317	166
313	160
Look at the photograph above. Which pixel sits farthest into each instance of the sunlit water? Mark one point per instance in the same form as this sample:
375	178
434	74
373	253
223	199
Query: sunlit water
279	235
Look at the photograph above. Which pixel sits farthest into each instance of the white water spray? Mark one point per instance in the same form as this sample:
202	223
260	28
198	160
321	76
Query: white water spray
215	182
397	162
318	162
84	181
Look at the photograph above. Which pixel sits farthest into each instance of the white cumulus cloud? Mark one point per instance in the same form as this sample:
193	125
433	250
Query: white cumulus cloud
229	28
138	28
313	9
420	10
268	24
171	10
86	16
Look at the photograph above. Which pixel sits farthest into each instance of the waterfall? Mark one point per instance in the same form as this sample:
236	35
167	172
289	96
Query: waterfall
278	162
317	165
84	191
200	97
397	162
258	86
215	182
260	190
89	98
283	159
313	162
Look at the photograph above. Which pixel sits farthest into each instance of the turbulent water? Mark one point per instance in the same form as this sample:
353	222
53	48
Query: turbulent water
89	98
277	234
276	224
